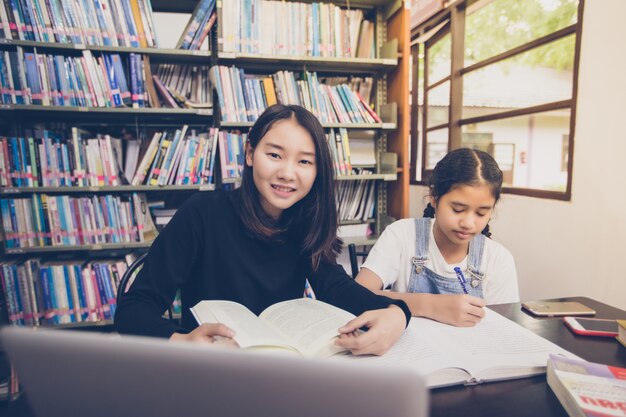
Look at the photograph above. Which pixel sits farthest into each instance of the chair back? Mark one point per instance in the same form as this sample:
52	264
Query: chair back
129	277
354	258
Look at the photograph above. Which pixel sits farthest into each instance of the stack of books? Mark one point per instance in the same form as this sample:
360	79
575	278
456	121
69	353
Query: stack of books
243	97
356	199
162	217
587	389
102	23
232	153
316	29
61	220
41	293
181	86
340	151
200	23
178	158
104	80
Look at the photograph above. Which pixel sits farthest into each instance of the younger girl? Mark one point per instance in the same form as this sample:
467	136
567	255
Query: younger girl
258	244
447	269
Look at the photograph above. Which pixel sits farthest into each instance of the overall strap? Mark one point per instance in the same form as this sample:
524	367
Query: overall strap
474	260
422	237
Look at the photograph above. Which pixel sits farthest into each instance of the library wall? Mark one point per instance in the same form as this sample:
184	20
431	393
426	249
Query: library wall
576	248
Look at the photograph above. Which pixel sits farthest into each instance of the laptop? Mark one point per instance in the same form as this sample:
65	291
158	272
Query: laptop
68	373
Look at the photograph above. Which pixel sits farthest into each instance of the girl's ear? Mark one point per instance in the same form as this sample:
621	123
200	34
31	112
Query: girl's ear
432	201
249	154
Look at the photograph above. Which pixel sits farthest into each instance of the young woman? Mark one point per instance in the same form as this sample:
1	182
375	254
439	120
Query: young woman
447	268
258	244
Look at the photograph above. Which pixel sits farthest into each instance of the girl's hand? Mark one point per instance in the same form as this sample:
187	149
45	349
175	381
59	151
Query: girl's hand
385	328
456	309
215	333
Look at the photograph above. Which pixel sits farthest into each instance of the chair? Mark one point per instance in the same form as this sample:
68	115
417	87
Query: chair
354	261
129	277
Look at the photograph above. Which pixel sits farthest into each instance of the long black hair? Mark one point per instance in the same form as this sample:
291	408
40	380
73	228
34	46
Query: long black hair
464	166
314	218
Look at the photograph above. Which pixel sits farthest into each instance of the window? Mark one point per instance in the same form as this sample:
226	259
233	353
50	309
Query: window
500	76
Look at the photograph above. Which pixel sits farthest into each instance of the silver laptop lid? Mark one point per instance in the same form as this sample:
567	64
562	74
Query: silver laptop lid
67	373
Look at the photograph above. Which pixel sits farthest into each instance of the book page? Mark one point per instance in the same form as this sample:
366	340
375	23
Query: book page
497	348
250	330
417	350
310	324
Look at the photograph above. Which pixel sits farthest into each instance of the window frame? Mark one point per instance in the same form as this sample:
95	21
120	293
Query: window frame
453	18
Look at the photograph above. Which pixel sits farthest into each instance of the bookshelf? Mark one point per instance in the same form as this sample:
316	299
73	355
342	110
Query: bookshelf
387	176
391	136
23	263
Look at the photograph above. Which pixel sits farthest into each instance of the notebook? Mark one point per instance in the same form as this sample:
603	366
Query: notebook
69	373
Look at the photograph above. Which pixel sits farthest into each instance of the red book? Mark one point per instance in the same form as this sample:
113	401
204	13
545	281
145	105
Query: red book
368	108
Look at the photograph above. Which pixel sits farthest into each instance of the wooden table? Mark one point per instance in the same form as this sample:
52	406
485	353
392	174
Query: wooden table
530	396
520	397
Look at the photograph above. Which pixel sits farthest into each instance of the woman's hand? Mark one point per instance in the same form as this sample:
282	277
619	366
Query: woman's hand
455	309
215	333
385	328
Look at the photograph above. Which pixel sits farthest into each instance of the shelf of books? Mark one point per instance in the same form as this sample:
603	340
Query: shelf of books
335	65
104	125
110	129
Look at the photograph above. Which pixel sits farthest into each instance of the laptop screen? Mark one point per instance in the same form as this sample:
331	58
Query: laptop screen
68	373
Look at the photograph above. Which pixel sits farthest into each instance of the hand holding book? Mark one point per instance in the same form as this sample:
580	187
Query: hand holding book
385	326
208	333
303	326
307	327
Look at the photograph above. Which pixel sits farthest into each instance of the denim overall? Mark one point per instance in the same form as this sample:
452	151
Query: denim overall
424	280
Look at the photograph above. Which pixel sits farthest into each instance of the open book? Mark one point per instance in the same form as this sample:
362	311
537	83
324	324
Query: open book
303	325
495	349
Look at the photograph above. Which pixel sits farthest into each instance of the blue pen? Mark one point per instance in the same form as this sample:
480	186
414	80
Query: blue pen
459	275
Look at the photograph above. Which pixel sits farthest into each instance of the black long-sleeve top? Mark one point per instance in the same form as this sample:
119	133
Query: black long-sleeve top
207	253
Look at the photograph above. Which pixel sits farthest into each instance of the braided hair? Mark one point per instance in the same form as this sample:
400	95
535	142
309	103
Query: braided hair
464	166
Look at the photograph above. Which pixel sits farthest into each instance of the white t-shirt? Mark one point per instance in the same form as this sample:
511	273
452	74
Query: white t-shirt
390	259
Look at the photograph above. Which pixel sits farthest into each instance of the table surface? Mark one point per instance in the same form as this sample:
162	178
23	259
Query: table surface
531	396
520	397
